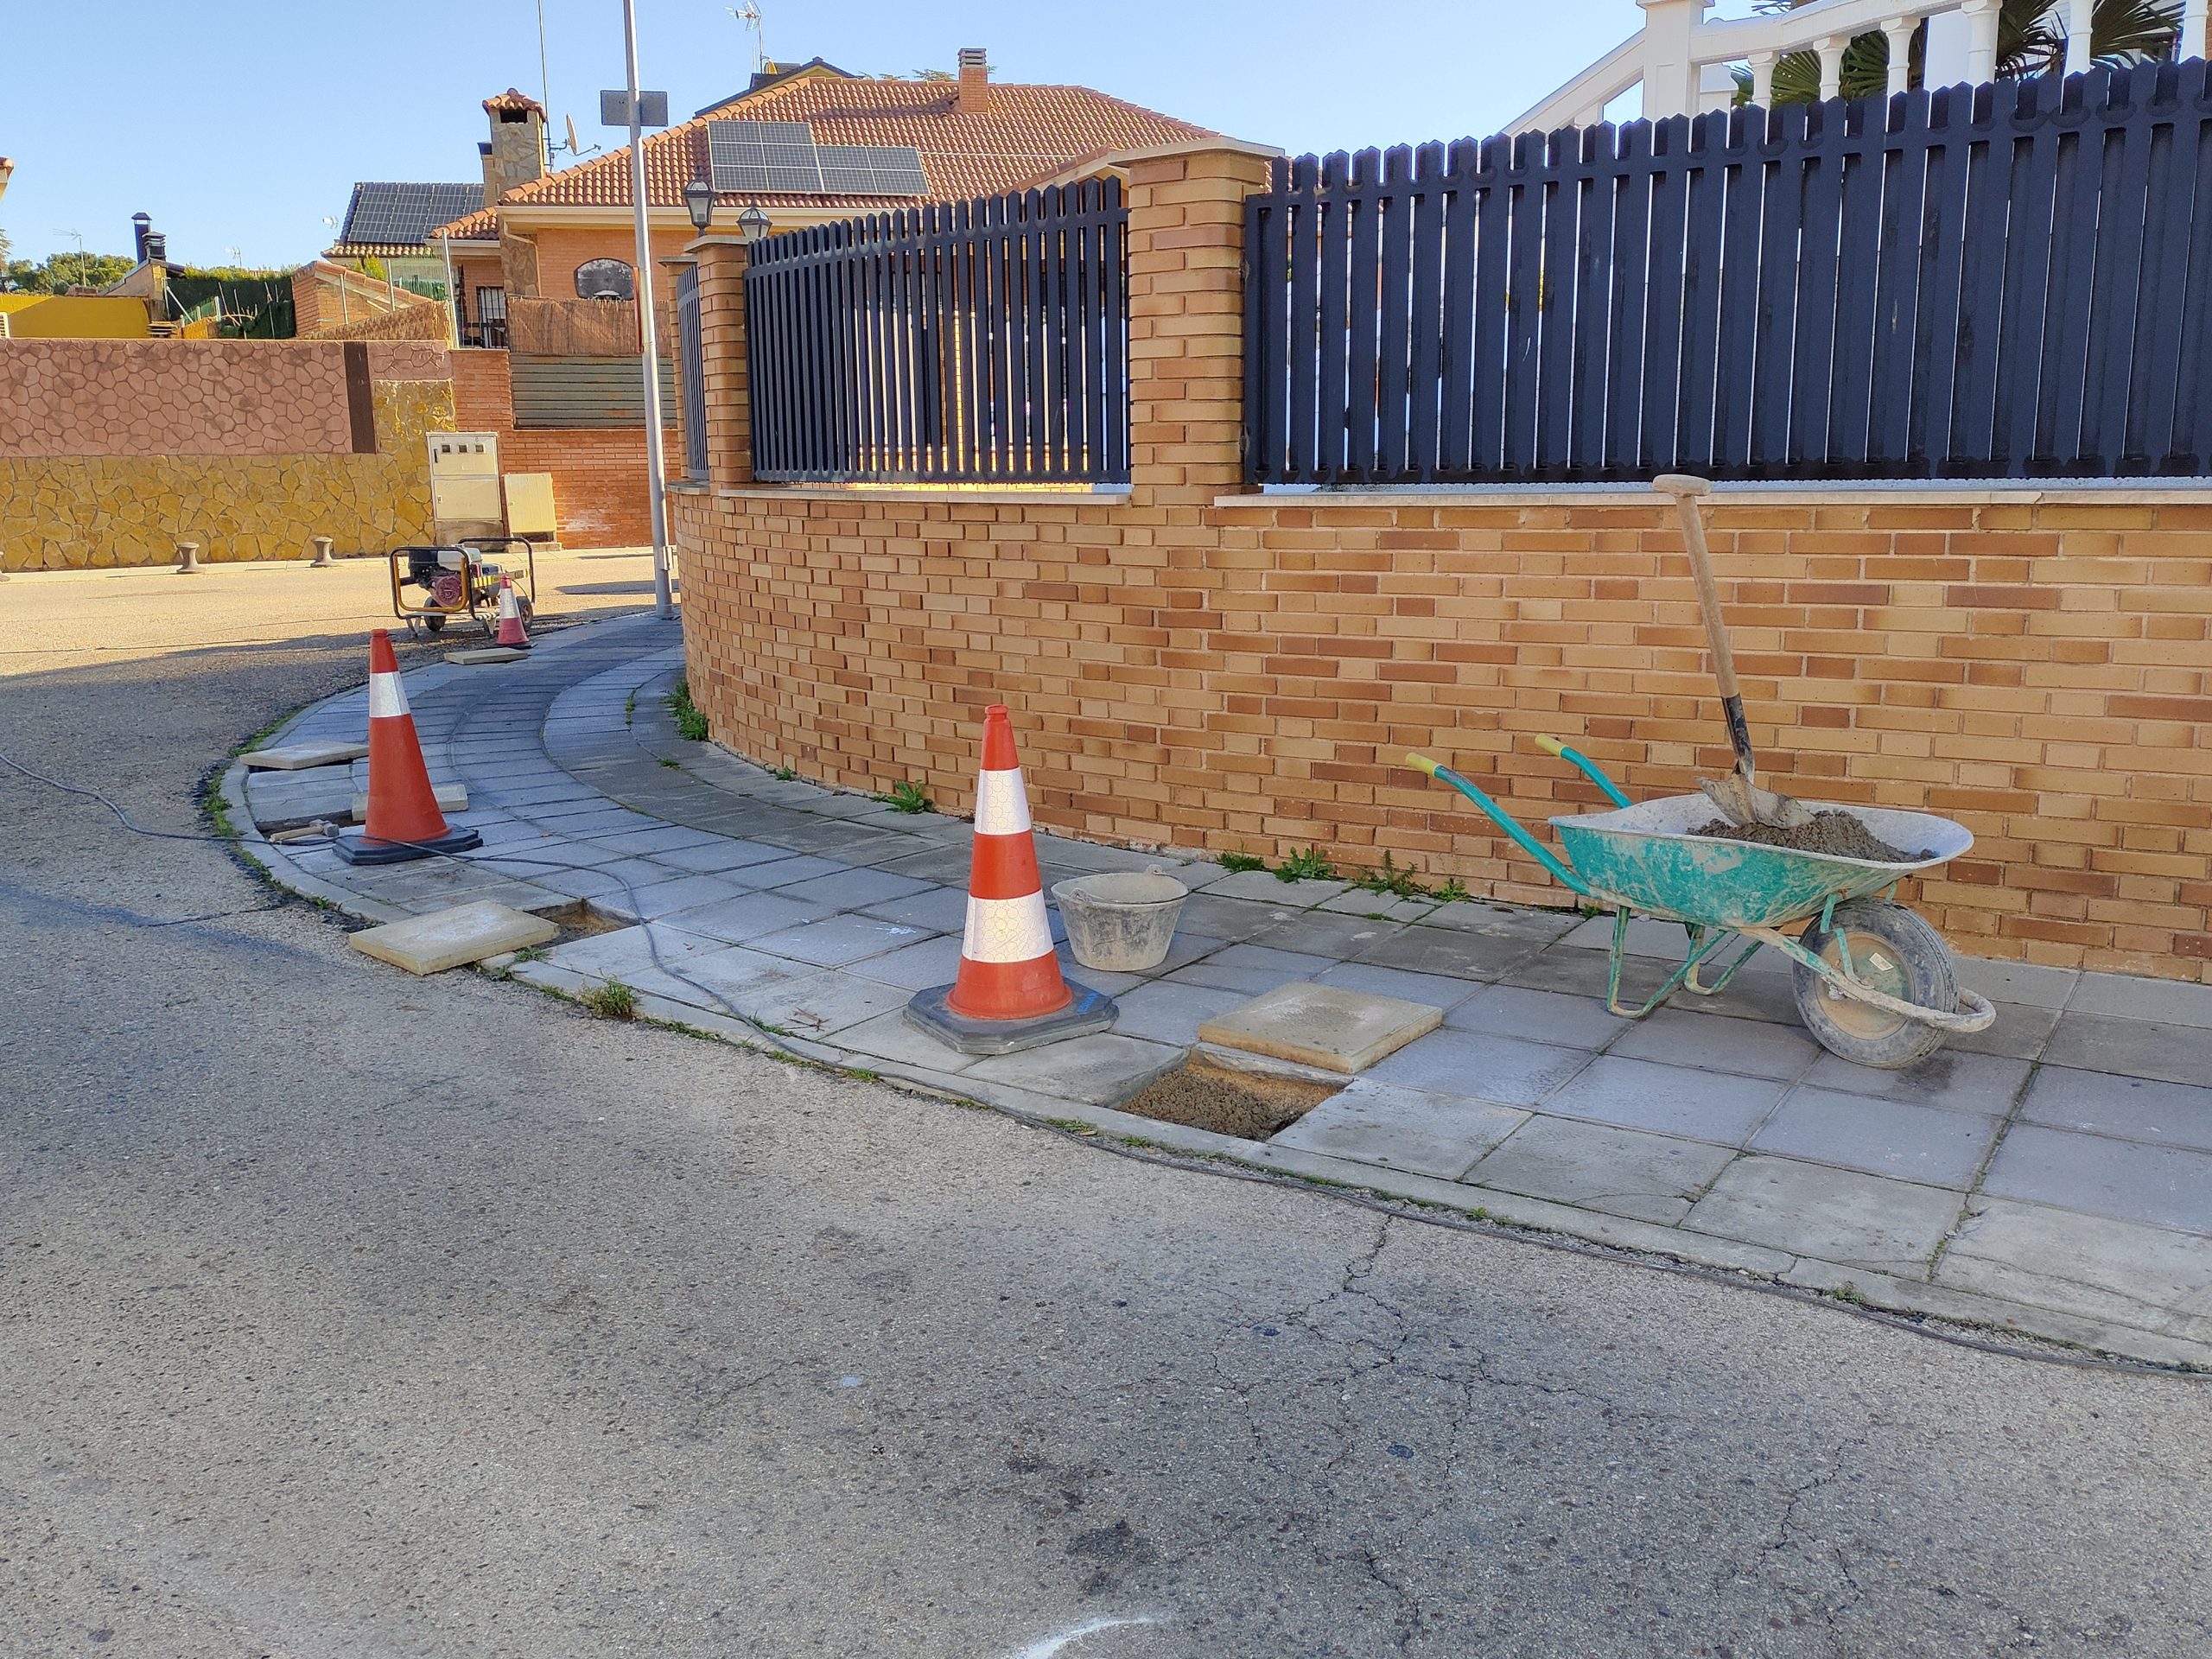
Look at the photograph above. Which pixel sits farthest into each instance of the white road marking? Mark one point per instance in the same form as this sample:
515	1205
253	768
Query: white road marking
1046	1646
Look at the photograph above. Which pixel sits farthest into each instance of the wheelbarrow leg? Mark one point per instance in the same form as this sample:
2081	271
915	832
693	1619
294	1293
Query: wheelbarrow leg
1700	951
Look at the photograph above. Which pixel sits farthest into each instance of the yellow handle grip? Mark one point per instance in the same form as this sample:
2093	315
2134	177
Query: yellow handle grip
1422	762
1551	746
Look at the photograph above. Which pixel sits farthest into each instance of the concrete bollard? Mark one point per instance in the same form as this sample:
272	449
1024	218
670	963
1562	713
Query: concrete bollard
188	558
322	561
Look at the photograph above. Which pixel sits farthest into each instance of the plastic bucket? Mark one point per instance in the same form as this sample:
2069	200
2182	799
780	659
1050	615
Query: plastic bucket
1120	923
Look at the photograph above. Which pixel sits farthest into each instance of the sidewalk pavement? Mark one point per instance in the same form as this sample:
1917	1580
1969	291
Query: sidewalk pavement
2051	1176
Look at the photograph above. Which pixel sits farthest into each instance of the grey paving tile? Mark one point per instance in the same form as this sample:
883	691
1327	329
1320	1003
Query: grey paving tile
749	916
2135	1048
1170	1013
944	909
1835	1215
932	864
1539	1016
719	853
2028	984
1668	1099
1263	887
1500	1070
2136	1108
2168	1002
1343	937
1250	968
1754	1047
2021	1030
731	970
1222	919
1963	1083
888	1037
1101	1069
1357	901
2089	1266
1883	1137
915	967
1438	990
836	940
594	821
851	889
679	892
666	838
2162	1186
1402	1129
1508	921
788	871
1618	1171
819	1005
1462	953
626	953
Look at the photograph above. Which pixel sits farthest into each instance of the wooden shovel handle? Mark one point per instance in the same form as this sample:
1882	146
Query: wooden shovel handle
1688	489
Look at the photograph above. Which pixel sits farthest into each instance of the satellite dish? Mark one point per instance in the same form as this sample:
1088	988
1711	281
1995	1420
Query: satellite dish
573	150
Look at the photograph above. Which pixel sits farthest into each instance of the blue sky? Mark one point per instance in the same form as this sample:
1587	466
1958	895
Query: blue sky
242	126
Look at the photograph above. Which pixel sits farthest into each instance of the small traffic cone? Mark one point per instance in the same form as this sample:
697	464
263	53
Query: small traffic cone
512	632
403	820
1009	992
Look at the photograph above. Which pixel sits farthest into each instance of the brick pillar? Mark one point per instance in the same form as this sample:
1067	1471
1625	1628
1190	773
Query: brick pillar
1186	317
722	260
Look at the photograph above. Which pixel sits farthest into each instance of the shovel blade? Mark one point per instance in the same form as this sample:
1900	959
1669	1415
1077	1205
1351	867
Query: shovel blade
1742	802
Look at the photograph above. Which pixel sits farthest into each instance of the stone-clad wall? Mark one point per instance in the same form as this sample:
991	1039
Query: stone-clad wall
1198	665
108	505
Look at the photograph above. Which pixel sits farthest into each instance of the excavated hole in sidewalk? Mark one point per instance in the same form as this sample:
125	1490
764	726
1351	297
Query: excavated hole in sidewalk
580	919
1250	1105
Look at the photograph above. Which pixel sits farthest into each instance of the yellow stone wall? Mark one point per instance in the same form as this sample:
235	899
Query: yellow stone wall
99	511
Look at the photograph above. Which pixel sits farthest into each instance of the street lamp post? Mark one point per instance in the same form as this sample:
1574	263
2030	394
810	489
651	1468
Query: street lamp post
699	201
664	604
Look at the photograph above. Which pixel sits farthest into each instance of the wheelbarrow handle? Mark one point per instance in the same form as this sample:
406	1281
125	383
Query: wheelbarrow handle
1498	815
1588	767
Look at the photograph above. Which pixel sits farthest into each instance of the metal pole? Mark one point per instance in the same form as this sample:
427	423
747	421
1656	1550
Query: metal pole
647	334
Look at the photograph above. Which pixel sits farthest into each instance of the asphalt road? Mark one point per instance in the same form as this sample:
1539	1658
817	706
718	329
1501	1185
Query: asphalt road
344	1314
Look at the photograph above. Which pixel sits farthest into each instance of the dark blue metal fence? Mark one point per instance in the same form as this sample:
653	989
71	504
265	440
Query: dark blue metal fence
960	342
690	374
2008	281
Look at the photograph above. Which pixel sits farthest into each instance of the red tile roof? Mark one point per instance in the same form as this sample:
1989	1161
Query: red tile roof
1026	133
511	99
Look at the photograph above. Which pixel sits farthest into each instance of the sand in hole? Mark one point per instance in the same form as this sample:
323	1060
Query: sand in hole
1250	1105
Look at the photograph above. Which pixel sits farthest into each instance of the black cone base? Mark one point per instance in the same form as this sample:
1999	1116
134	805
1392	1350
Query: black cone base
1091	1011
360	850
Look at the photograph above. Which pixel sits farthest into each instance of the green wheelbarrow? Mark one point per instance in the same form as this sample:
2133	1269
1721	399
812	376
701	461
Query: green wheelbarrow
1873	981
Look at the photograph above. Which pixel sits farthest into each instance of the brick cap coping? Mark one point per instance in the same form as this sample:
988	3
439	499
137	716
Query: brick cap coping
1112	494
2121	493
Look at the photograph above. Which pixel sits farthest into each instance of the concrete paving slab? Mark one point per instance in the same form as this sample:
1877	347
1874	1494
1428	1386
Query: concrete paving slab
2167	1001
2162	1186
889	1037
915	967
664	838
1263	887
821	1004
1837	1214
1357	901
293	757
1503	1070
1539	1016
1481	916
718	855
1163	1012
1104	1068
749	916
1438	990
836	940
2021	1031
1673	1100
1250	968
450	798
1755	1048
1461	953
2091	1266
1402	1129
1322	1025
2135	1048
851	889
1339	938
483	656
1620	1172
2135	1108
448	939
1926	1144
788	871
665	898
1218	917
2031	984
941	910
1960	1082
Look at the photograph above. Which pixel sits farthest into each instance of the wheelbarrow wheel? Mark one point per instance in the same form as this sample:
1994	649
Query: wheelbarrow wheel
1892	950
435	623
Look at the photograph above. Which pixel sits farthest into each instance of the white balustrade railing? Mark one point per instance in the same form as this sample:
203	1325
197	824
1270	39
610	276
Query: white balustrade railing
1686	63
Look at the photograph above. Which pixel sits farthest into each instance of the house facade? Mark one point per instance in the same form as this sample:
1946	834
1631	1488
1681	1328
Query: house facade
544	275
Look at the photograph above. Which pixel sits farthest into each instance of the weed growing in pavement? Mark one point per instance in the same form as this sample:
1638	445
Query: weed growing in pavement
1308	864
531	953
689	723
218	809
783	774
1454	891
614	1000
1849	1294
1388	878
675	765
1237	863
906	797
629	708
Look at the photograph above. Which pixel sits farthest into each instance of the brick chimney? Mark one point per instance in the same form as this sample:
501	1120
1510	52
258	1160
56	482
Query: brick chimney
974	97
517	152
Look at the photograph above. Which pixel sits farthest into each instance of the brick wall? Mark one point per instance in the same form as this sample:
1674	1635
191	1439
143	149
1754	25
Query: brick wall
1201	667
599	472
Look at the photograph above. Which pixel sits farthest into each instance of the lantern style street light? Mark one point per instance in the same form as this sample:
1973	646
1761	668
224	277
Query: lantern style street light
699	198
753	223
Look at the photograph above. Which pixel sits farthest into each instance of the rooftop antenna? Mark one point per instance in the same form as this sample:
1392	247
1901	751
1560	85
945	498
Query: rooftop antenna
749	15
545	95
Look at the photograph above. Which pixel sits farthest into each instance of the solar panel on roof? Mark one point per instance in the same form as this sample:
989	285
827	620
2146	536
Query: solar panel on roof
751	156
405	214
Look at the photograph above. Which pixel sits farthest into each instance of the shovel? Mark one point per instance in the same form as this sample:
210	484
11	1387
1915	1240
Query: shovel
1738	796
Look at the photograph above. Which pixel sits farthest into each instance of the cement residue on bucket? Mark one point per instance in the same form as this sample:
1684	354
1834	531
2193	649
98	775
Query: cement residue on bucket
1838	835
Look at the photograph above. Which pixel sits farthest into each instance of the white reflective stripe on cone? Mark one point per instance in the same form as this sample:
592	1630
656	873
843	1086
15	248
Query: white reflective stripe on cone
1008	930
1002	804
387	696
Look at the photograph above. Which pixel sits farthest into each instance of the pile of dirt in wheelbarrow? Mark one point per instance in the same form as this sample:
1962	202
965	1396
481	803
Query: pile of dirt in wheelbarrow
1837	834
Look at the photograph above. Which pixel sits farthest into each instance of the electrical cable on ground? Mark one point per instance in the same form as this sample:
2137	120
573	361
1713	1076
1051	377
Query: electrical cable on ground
1381	1204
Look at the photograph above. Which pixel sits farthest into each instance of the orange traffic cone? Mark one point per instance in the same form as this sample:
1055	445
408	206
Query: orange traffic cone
403	820
1009	992
512	632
